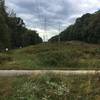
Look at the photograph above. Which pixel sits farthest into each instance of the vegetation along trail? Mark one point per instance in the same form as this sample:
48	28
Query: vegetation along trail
41	72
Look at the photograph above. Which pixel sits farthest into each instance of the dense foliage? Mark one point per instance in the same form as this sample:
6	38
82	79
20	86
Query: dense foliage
13	32
86	28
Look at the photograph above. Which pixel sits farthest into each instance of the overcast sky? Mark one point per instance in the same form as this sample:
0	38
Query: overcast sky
51	13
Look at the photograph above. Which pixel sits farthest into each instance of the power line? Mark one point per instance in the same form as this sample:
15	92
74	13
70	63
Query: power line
44	23
42	20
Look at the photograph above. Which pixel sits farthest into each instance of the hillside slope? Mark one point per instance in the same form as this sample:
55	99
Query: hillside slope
68	55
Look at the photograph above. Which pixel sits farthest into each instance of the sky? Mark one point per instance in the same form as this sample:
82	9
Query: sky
50	17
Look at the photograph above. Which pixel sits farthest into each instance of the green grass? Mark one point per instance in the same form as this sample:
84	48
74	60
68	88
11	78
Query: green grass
68	55
50	87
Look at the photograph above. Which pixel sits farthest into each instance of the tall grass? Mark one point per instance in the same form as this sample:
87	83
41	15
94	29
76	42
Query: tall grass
69	55
50	87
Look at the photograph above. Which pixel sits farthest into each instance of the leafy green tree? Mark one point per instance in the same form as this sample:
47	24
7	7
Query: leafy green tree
4	29
30	38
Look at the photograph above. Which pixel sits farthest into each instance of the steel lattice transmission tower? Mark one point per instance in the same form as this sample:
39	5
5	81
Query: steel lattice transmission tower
59	38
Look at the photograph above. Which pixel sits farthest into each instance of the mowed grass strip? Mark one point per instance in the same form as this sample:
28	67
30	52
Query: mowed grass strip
50	87
66	55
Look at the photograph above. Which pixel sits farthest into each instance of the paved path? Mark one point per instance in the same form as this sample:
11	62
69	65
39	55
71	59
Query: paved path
36	72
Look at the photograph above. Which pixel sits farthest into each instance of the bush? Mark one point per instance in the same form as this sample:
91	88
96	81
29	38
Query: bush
4	58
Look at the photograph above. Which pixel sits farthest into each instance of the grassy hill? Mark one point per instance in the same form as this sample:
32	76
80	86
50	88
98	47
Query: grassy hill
66	55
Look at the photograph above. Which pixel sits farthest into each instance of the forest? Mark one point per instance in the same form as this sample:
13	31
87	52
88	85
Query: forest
86	29
13	33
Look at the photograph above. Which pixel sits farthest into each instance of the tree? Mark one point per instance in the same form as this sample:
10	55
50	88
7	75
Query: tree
4	29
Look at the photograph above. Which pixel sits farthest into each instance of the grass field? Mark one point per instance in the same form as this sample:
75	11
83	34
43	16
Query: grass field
50	87
69	55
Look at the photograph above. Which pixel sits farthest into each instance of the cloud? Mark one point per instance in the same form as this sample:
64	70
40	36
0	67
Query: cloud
38	13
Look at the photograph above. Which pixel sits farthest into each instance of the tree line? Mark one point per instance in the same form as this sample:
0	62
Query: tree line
86	28
13	32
